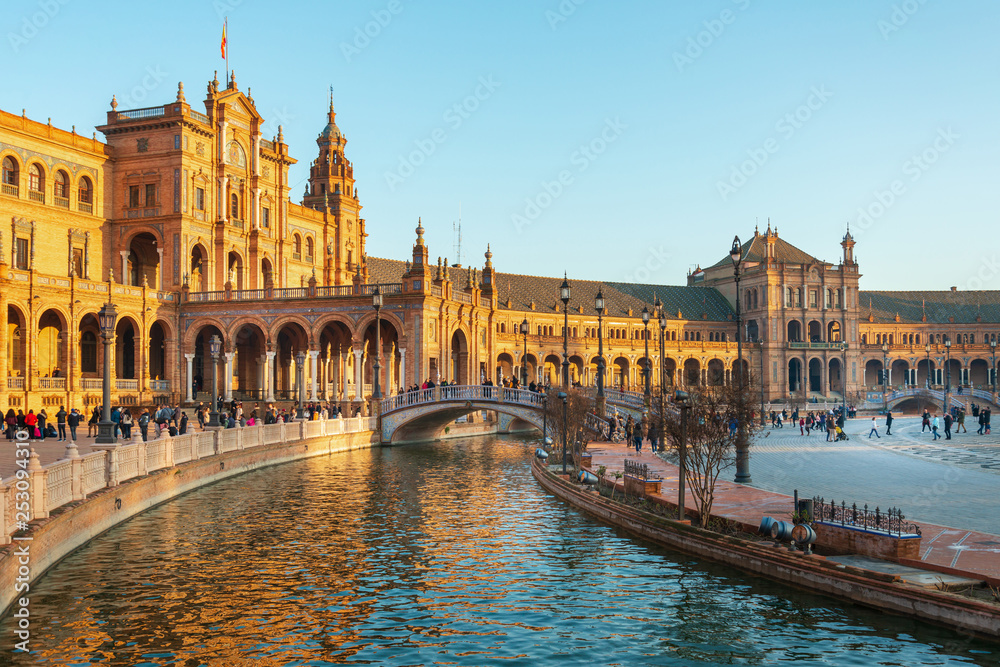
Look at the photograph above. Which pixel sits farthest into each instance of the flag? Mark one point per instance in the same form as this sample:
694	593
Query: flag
224	38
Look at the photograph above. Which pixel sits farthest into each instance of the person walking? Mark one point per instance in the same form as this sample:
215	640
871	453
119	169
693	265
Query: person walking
31	423
961	422
925	424
144	424
935	424
200	413
126	424
874	429
948	420
888	422
989	413
61	423
73	420
10	420
95	417
982	421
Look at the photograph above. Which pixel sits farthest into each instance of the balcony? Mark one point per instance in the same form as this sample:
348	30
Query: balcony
9	189
85	207
52	383
159	385
36	195
61	202
817	345
91	384
15	382
125	384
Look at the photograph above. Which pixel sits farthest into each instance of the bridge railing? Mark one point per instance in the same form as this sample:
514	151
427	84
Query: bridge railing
71	479
470	392
630	399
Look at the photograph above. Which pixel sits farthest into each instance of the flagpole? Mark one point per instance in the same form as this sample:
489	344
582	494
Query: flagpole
225	29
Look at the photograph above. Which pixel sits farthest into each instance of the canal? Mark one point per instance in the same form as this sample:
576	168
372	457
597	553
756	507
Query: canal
445	553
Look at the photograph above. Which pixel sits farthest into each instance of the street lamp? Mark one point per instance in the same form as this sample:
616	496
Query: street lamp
214	346
762	418
562	395
742	455
885	377
683	402
106	428
300	363
564	297
545	417
663	380
524	356
645	363
843	388
599	307
947	374
377	305
993	347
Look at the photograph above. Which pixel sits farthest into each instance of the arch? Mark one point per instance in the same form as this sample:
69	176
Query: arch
296	246
670	371
387	346
815	331
143	260
267	273
794	331
198	266
716	375
51	357
249	343
620	373
952	373
202	365
459	348
60	186
552	373
794	375
899	372
979	374
234	269
157	345
505	367
692	372
836	378
816	375
872	369
753	332
833	332
127	338
426	422
85	194
10	175
309	249
36	181
926	373
195	331
740	372
234	206
576	369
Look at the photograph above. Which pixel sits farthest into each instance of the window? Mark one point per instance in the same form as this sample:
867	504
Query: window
21	254
199	199
88	352
62	184
309	248
36	179
150	194
297	247
77	268
813	299
234	206
177	142
10	173
85	191
133	196
788	297
265	217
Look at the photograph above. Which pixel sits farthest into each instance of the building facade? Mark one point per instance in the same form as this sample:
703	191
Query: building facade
183	219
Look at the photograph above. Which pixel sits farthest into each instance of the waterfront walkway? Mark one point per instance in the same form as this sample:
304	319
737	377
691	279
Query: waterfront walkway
975	553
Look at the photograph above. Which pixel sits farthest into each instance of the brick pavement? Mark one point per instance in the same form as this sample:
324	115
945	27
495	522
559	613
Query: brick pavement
973	552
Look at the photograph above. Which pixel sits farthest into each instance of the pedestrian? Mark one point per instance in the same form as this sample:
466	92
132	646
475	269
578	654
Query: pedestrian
925	424
43	418
802	426
144	424
874	429
200	413
126	424
830	430
116	418
31	423
989	413
10	420
888	422
935	424
982	421
61	423
961	422
947	425
182	429
95	417
73	420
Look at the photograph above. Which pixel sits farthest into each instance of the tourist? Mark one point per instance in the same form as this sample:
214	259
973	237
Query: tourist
874	429
31	423
183	427
935	424
144	425
961	422
43	418
888	422
200	414
989	413
948	420
61	422
10	420
926	422
73	420
116	419
126	424
802	426
95	417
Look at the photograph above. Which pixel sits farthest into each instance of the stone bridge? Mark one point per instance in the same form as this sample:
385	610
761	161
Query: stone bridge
922	396
422	415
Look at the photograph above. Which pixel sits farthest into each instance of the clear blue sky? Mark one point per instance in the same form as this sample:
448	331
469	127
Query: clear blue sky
829	102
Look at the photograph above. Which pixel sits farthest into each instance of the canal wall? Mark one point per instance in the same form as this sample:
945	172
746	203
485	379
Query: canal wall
72	501
811	572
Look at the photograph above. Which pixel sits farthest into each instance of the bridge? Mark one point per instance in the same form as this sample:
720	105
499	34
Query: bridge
924	396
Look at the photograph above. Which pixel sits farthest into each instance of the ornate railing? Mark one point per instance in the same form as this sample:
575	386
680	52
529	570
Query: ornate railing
52	383
637	470
135	114
15	382
891	521
630	399
335	290
473	392
199	116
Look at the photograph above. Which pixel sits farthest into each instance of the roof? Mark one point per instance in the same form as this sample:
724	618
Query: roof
755	250
939	306
680	302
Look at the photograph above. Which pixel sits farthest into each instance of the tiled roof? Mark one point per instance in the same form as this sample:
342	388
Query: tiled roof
691	302
755	250
964	306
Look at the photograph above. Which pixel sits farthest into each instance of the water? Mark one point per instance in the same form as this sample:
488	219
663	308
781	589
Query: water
429	554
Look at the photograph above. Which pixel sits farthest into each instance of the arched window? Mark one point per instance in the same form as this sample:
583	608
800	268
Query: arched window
972	339
85	195
746	300
916	339
864	339
755	298
296	247
11	175
88	352
36	183
309	248
61	184
234	206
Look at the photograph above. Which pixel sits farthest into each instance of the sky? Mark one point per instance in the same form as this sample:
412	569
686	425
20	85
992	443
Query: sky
619	141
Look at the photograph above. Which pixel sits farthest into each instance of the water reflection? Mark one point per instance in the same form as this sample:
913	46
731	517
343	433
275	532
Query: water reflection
443	554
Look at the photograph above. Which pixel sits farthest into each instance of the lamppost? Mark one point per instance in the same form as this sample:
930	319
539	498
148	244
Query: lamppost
663	378
993	347
599	307
646	370
545	417
377	305
564	297
947	374
562	395
742	455
843	349
214	346
763	422
300	363
885	377
524	356
683	402
927	351
106	428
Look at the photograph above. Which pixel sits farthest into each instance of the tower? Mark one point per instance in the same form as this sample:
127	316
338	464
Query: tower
848	245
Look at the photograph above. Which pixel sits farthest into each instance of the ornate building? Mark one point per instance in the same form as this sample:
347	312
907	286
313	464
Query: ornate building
183	219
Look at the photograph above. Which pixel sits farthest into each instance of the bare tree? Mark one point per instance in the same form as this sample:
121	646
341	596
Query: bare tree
579	405
712	432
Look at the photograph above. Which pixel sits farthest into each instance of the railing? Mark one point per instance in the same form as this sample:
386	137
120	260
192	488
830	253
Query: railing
15	382
61	202
199	116
267	145
462	297
485	302
249	294
630	399
148	112
202	297
637	470
335	290
8	189
818	345
383	288
124	384
36	195
52	383
85	207
159	385
91	384
66	481
473	392
436	290
873	521
291	293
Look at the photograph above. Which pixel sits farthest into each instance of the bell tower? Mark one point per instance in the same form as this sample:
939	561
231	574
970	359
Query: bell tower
848	245
331	174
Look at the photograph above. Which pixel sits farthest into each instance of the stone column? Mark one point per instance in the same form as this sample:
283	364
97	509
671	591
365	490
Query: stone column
227	381
402	369
343	375
159	269
189	376
123	279
313	356
269	376
358	375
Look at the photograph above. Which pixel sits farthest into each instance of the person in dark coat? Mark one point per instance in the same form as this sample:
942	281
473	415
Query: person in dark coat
61	422
888	422
73	420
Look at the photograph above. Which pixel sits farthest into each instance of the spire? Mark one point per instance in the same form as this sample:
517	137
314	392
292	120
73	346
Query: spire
489	257
180	91
420	232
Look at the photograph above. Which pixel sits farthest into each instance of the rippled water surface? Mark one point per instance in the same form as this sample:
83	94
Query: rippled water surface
446	554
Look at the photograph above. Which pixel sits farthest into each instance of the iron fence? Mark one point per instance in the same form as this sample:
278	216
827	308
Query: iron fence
891	521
